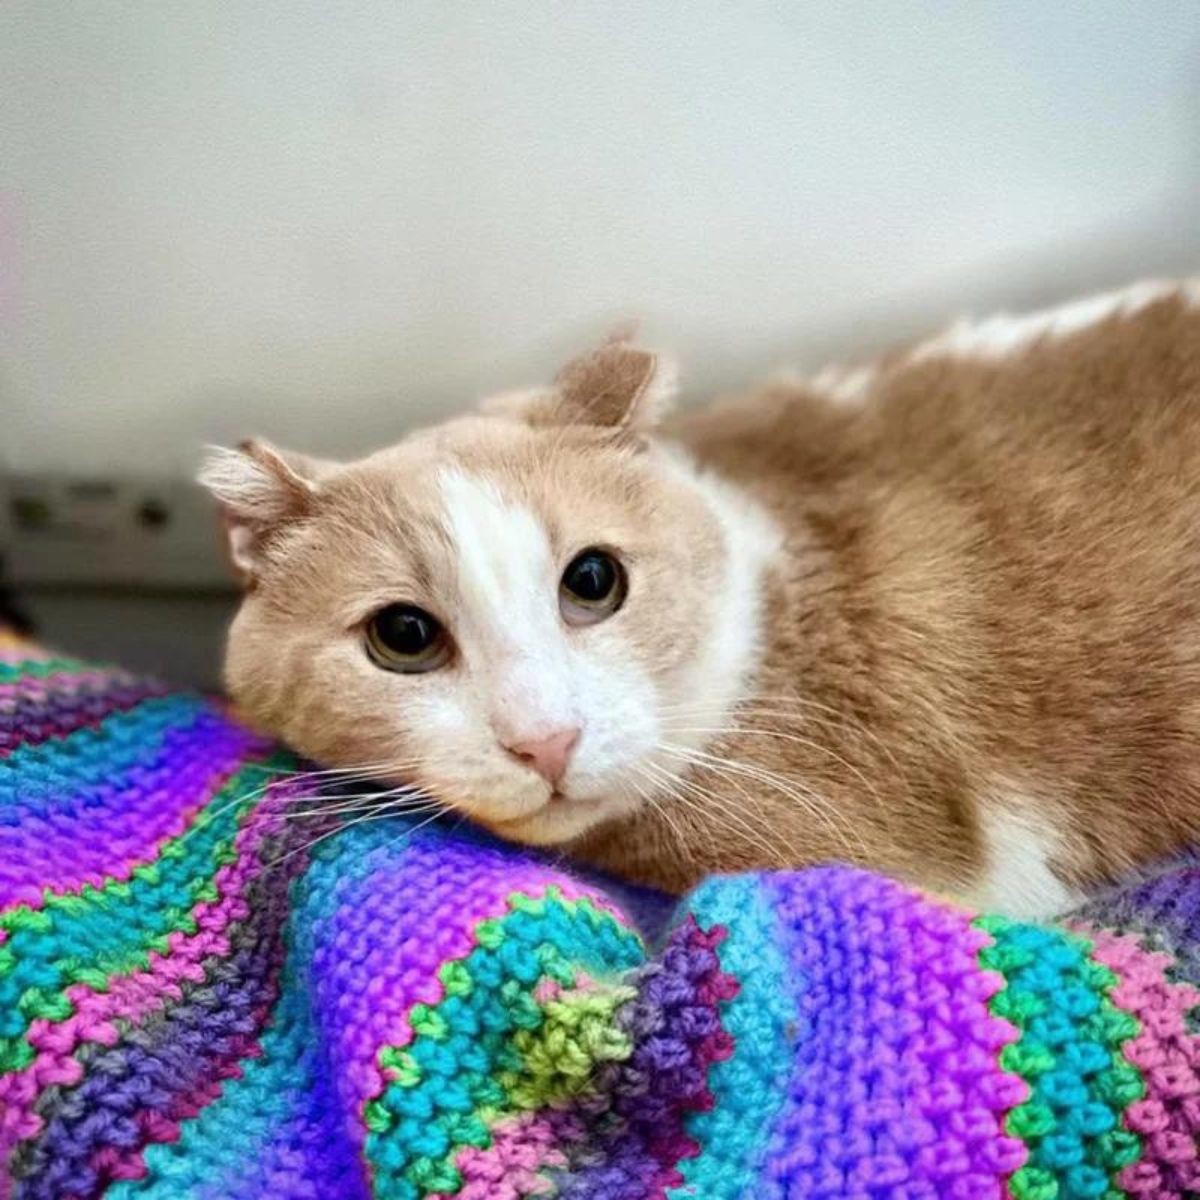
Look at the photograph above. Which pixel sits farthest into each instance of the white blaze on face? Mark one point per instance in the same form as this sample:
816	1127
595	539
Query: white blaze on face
523	675
507	628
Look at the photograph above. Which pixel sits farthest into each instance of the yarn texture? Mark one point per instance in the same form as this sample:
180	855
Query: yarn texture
196	1002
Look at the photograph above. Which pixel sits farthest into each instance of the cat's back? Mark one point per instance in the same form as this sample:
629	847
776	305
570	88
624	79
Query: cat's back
1047	462
1112	381
1104	392
1006	522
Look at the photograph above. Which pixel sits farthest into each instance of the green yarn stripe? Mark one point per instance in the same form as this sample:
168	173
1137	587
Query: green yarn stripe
1069	1054
89	936
489	1049
42	669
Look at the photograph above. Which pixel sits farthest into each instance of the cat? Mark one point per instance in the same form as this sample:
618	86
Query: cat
938	614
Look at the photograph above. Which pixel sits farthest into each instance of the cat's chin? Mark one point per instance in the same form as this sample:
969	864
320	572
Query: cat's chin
559	820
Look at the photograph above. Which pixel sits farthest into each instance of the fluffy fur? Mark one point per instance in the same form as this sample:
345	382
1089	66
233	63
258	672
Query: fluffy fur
937	614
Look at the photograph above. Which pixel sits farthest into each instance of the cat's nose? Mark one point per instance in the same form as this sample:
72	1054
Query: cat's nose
548	756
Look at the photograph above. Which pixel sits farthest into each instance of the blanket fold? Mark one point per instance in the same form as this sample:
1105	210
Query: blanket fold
212	986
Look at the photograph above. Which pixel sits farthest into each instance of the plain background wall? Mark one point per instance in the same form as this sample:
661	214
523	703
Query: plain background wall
324	221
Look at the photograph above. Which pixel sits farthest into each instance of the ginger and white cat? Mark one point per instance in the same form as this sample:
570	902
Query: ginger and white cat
939	615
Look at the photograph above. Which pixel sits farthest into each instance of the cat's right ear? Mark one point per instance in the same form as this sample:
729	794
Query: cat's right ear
260	490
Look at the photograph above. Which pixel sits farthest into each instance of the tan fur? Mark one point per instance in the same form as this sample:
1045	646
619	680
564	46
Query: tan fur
987	594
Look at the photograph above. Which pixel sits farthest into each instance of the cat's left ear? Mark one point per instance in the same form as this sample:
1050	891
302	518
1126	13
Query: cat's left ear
617	386
261	490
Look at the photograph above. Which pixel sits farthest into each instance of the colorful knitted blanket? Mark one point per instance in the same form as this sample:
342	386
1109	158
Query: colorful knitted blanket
198	998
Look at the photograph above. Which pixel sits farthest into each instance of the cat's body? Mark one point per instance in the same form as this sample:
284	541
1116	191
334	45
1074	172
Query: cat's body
940	615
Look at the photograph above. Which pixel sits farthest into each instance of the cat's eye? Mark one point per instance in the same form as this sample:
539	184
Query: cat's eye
593	587
405	638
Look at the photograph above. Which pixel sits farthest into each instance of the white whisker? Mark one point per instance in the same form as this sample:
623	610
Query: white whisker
711	807
811	801
789	737
373	815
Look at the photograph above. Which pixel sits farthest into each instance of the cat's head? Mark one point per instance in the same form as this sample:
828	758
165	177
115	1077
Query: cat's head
511	610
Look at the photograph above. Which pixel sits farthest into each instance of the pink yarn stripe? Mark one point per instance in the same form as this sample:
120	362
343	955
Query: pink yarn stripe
14	651
511	1167
1167	1056
37	686
1009	1154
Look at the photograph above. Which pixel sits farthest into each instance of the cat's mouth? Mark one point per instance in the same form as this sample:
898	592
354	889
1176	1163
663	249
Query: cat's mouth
556	801
559	818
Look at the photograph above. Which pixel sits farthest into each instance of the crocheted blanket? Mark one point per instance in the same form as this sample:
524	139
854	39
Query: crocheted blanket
197	1002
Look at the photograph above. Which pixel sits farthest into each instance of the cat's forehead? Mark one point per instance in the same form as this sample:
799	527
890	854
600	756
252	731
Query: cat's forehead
544	470
413	516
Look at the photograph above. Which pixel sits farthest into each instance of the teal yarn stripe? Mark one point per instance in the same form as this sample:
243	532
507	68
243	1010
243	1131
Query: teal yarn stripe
99	755
1070	1055
89	936
736	1129
461	1071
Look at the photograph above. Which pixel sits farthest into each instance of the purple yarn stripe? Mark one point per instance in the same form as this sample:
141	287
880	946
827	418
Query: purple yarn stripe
62	850
896	1088
675	1027
416	899
1163	910
36	710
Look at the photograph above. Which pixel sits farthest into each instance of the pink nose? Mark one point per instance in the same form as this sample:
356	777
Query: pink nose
548	756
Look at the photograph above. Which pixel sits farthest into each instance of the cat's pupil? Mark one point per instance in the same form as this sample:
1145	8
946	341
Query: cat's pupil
405	630
591	576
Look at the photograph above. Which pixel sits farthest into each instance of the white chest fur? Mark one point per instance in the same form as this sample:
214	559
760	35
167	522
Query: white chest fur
1019	880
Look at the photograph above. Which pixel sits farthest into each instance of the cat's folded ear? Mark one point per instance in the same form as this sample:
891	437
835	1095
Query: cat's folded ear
260	490
617	386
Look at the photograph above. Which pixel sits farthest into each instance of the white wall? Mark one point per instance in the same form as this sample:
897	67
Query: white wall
323	221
